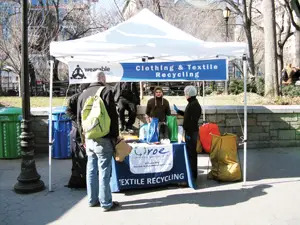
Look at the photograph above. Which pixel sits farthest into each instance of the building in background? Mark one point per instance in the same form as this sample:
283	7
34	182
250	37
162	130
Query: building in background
9	80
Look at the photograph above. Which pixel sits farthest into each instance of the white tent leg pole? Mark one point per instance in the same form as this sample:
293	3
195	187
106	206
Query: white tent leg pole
50	124
245	119
141	91
141	83
203	106
19	86
227	76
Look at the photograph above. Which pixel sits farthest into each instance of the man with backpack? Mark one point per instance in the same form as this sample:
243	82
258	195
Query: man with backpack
127	98
98	120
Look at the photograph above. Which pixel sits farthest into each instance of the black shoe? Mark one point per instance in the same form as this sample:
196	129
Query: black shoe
122	128
115	205
182	184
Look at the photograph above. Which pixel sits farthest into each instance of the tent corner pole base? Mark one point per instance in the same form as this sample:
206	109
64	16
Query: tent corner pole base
245	119
50	124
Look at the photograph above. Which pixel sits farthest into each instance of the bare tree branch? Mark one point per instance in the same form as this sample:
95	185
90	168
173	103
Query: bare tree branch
290	11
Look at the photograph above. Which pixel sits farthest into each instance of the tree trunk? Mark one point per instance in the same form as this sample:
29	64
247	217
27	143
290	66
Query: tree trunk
248	33
280	67
271	73
55	70
280	58
19	85
32	76
0	81
297	48
157	7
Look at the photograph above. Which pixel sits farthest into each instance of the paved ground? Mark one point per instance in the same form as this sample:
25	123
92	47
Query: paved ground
271	196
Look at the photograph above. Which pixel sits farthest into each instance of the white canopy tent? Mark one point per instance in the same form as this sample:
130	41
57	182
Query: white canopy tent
143	35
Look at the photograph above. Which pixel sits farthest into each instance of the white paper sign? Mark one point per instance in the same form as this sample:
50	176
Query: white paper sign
151	158
86	72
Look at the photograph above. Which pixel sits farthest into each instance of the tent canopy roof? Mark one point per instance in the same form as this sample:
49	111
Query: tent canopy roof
144	34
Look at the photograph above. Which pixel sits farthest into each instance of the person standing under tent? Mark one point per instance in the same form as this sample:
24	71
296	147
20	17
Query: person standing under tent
78	176
127	98
191	117
158	107
100	151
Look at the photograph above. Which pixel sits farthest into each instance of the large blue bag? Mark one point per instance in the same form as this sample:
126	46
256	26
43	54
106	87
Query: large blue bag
153	131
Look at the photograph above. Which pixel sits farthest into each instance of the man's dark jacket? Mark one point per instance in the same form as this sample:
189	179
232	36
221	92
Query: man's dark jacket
108	99
158	108
191	115
127	90
72	107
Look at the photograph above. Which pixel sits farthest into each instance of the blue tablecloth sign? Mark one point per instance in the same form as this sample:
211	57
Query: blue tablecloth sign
152	165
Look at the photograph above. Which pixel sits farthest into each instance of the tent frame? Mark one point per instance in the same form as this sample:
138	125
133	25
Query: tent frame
245	70
50	122
245	119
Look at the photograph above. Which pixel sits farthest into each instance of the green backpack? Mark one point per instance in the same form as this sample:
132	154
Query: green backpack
95	119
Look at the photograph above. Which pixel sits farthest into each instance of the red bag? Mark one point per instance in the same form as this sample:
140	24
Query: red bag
205	138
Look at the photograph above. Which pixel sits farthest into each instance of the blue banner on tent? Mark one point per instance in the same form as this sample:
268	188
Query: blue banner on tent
152	165
215	69
86	72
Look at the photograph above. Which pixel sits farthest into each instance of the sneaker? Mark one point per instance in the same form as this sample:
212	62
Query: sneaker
130	131
94	204
114	206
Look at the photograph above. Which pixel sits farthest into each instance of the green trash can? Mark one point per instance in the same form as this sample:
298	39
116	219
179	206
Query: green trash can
10	130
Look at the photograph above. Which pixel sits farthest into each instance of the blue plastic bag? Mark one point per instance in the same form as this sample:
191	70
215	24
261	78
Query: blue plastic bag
143	133
153	131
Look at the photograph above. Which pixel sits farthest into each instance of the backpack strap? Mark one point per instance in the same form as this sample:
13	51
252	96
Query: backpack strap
99	91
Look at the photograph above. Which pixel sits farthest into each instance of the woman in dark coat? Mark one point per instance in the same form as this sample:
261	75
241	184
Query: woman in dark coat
191	117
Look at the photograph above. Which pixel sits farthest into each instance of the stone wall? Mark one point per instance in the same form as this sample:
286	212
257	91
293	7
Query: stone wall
268	126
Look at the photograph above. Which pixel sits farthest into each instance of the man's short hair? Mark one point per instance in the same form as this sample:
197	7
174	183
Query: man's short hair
100	76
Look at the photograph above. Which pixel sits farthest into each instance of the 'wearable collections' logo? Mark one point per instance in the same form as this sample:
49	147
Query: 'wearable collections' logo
78	73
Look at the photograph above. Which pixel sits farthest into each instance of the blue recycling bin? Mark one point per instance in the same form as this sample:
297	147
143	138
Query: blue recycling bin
61	128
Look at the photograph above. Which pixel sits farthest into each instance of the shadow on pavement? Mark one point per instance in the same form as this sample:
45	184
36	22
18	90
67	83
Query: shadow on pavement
45	207
261	165
203	199
41	207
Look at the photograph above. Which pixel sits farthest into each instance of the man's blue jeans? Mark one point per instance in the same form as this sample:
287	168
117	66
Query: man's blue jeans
99	152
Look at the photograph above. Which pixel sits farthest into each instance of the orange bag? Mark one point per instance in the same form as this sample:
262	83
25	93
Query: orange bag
205	138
